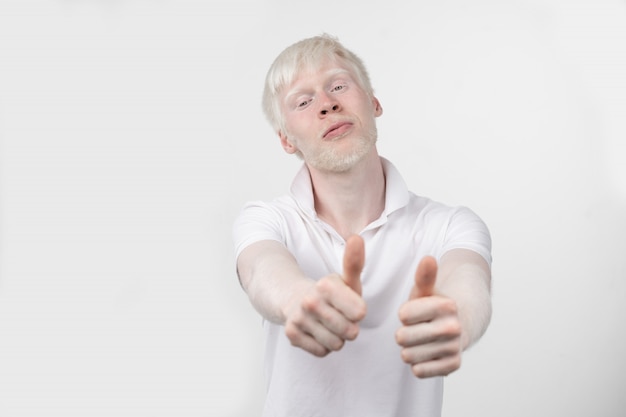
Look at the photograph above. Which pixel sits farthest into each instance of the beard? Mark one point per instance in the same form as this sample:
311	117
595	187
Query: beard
331	159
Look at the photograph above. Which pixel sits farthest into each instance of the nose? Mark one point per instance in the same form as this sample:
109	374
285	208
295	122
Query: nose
329	105
334	108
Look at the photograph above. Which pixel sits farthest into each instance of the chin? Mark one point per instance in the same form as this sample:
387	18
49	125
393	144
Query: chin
338	162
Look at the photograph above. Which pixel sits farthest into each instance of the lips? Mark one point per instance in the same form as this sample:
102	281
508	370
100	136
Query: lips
337	129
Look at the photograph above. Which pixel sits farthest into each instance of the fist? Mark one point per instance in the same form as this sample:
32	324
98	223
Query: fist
430	336
324	317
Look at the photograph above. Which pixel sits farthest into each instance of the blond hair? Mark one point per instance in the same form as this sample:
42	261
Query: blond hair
307	54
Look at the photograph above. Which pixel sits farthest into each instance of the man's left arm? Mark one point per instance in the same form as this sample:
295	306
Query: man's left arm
448	310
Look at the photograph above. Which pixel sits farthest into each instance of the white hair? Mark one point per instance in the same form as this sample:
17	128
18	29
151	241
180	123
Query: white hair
307	54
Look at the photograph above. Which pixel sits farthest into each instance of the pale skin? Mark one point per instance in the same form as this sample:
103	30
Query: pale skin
449	306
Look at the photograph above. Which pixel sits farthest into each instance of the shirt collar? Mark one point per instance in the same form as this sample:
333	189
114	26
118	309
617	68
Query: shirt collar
396	191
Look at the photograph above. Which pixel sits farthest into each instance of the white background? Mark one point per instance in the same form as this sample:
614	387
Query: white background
131	134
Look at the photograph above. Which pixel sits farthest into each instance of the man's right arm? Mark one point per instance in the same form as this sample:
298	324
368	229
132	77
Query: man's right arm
270	275
319	316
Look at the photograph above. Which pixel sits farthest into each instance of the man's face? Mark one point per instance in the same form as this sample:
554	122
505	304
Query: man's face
328	118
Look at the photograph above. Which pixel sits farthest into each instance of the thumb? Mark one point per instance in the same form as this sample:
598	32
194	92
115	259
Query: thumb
425	277
353	261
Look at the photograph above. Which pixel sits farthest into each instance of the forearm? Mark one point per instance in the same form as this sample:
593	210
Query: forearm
271	278
466	278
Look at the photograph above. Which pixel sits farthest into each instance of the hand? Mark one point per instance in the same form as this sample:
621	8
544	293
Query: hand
431	333
322	318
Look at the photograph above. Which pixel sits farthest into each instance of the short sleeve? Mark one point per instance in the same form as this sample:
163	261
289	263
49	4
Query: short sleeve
257	221
468	231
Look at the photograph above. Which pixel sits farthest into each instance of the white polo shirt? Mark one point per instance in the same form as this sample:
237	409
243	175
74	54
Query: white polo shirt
367	377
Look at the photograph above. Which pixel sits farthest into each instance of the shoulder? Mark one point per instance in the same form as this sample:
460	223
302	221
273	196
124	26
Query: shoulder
448	227
278	219
434	210
271	213
277	208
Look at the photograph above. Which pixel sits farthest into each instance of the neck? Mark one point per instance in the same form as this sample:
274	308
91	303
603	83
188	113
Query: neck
350	200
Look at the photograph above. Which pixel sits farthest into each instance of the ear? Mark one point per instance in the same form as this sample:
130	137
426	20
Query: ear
378	109
289	147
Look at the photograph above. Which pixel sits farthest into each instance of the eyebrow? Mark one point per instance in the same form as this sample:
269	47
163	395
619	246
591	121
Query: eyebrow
336	71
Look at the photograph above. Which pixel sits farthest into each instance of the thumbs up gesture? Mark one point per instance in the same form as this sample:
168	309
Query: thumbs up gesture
430	335
353	262
321	318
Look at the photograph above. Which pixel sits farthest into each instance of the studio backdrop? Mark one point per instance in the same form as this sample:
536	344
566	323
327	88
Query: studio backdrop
131	134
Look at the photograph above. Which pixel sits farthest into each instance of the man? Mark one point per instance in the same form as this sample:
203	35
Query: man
369	292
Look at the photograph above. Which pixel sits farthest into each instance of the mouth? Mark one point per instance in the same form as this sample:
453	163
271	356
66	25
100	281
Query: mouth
337	130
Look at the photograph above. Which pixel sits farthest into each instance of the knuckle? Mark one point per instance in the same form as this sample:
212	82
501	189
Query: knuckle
310	304
337	344
456	363
449	306
325	285
403	314
450	349
406	356
452	366
452	328
296	321
360	312
401	337
292	333
351	332
418	371
320	352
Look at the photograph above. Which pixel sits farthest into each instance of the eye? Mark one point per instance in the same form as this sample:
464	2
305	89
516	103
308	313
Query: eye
302	103
339	87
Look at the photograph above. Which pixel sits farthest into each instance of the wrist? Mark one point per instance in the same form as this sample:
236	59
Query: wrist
293	298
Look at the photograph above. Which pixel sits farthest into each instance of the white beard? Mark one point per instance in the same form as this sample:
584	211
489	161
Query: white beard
330	159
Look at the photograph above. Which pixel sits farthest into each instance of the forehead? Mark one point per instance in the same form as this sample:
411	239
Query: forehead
321	76
309	77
